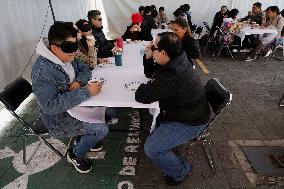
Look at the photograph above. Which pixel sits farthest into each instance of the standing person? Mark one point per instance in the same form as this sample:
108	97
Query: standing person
104	46
186	9
181	28
185	111
147	25
60	83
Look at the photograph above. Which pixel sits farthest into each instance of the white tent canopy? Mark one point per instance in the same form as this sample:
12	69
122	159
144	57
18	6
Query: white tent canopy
21	22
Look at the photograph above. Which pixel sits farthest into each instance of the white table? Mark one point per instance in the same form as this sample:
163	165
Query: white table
256	31
114	93
155	32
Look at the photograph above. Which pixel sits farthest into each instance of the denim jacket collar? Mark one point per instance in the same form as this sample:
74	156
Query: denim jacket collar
46	53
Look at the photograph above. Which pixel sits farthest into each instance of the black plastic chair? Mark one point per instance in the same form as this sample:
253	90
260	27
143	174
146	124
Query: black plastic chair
221	43
218	97
12	97
274	46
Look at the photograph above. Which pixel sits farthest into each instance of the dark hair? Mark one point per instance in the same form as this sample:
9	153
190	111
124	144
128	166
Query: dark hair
170	43
147	10
233	13
93	14
178	12
224	6
141	8
60	31
274	9
257	4
80	23
153	7
282	13
162	8
185	7
184	24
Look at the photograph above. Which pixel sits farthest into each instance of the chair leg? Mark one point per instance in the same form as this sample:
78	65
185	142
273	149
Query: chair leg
206	143
280	101
229	51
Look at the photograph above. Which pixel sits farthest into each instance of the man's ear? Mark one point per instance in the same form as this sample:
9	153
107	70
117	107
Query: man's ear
53	48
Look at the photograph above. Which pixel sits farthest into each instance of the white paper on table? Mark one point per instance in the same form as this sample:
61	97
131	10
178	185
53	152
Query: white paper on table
88	114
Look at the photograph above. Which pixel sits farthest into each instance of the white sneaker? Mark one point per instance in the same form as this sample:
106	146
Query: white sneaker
268	53
249	59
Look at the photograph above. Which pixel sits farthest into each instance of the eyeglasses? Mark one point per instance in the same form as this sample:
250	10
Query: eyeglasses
67	46
99	19
154	48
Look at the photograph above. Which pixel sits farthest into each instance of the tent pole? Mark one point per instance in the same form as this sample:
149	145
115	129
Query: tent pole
50	4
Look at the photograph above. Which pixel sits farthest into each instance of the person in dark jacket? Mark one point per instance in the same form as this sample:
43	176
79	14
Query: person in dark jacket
133	31
104	46
147	25
184	110
181	28
255	15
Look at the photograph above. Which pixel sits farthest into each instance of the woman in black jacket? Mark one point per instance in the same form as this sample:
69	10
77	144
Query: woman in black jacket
181	28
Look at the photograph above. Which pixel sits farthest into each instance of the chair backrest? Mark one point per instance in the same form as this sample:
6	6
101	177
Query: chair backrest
217	95
15	93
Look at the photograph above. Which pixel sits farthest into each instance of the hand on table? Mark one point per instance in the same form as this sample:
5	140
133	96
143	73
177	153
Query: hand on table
94	88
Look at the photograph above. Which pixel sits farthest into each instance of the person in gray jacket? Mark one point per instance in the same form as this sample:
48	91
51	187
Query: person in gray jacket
184	110
60	83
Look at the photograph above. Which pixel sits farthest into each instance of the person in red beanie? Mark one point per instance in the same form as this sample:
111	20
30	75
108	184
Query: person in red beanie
133	31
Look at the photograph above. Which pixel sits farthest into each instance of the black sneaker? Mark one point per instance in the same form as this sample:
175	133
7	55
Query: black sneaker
98	147
170	181
81	165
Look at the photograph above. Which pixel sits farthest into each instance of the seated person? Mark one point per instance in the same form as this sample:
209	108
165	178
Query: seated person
218	19
184	110
147	25
104	46
60	83
189	45
230	27
154	12
221	13
255	15
87	51
276	21
162	18
141	10
133	31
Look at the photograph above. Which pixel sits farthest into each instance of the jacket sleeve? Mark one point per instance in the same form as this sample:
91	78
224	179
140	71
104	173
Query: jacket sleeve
191	50
158	89
150	67
83	73
51	99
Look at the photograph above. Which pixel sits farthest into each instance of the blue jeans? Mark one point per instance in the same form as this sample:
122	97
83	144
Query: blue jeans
160	143
92	134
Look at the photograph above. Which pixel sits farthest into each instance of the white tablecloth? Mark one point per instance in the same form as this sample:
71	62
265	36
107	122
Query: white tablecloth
154	32
114	93
258	31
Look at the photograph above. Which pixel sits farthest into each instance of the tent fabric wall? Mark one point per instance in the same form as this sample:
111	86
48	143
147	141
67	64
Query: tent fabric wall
21	22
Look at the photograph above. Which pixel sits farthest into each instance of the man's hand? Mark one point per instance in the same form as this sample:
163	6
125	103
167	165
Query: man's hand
94	88
103	60
74	85
148	50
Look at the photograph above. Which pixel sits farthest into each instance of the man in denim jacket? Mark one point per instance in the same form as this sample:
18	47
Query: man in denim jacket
60	82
